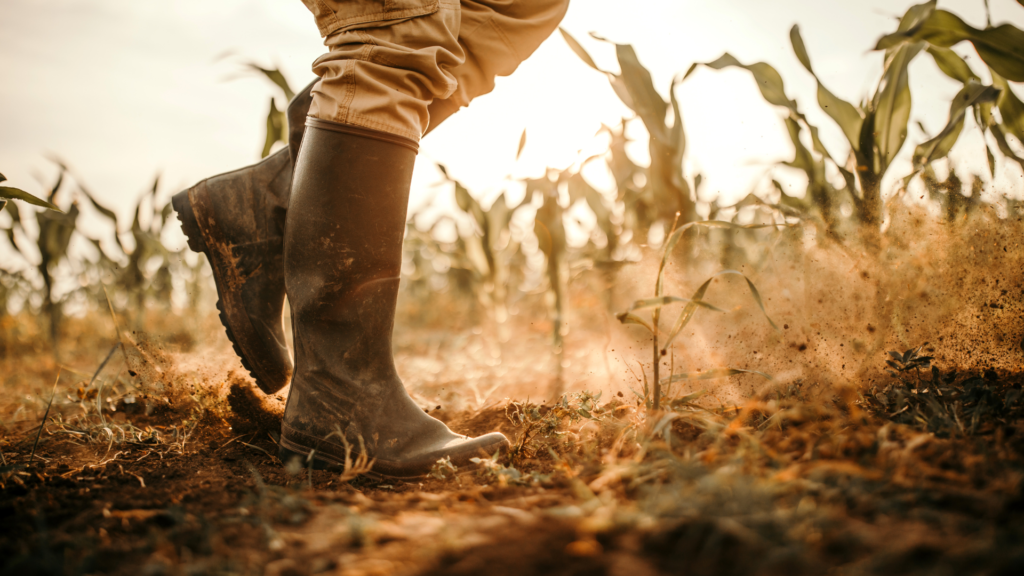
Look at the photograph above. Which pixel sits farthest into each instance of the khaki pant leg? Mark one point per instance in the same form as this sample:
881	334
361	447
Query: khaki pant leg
496	36
383	74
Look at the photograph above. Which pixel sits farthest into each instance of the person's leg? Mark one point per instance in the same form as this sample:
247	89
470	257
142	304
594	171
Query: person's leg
343	260
495	35
343	249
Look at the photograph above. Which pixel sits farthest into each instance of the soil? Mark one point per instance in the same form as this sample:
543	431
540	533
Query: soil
165	461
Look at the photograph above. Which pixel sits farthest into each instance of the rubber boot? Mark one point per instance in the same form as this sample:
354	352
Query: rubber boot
241	215
343	257
237	221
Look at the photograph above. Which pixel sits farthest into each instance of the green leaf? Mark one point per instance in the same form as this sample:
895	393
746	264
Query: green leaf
277	78
802	159
1004	146
619	86
769	81
1001	48
678	134
647	103
106	212
991	160
578	49
688	399
846	115
1010	107
666	300
710	374
687	314
674	238
277	128
19	194
939	146
891	104
628	318
915	15
951	64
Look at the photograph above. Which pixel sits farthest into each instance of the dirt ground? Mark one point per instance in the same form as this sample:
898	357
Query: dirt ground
164	460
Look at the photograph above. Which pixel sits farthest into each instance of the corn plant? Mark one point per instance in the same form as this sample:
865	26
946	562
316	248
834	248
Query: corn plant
666	191
1000	48
55	230
277	120
487	251
877	128
660	300
135	276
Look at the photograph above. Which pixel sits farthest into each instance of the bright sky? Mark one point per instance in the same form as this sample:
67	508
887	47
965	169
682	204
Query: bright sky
125	90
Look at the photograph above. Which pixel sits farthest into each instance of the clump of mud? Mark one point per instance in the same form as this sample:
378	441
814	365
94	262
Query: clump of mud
250	411
205	383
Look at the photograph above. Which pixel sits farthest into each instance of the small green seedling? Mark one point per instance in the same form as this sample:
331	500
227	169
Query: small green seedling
660	300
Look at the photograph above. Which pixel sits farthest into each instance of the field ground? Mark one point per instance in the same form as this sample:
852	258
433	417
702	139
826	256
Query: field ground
165	464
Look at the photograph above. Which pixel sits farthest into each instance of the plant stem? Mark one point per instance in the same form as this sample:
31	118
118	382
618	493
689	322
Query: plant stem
657	362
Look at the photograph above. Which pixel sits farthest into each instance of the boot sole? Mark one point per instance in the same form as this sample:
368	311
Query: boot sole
289	450
182	204
286	455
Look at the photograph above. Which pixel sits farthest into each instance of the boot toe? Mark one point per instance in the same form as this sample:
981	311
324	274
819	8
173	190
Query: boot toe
459	450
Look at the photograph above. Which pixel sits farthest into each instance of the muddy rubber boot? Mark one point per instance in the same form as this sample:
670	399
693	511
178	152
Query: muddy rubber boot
343	258
237	221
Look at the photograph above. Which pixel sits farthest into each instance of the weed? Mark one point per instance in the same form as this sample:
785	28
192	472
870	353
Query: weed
946	404
443	469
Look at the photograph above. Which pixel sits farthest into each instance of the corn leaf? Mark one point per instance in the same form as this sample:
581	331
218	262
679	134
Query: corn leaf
891	104
619	86
657	302
769	81
666	300
647	103
802	160
106	212
1002	47
991	160
578	49
677	135
915	15
629	318
277	78
1004	146
846	115
698	299
939	146
710	374
277	128
1010	107
687	314
951	64
688	399
10	193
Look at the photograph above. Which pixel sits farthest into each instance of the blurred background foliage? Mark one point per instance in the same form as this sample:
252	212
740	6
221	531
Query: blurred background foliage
530	243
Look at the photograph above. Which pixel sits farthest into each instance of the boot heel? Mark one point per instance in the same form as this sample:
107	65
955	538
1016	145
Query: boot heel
189	225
